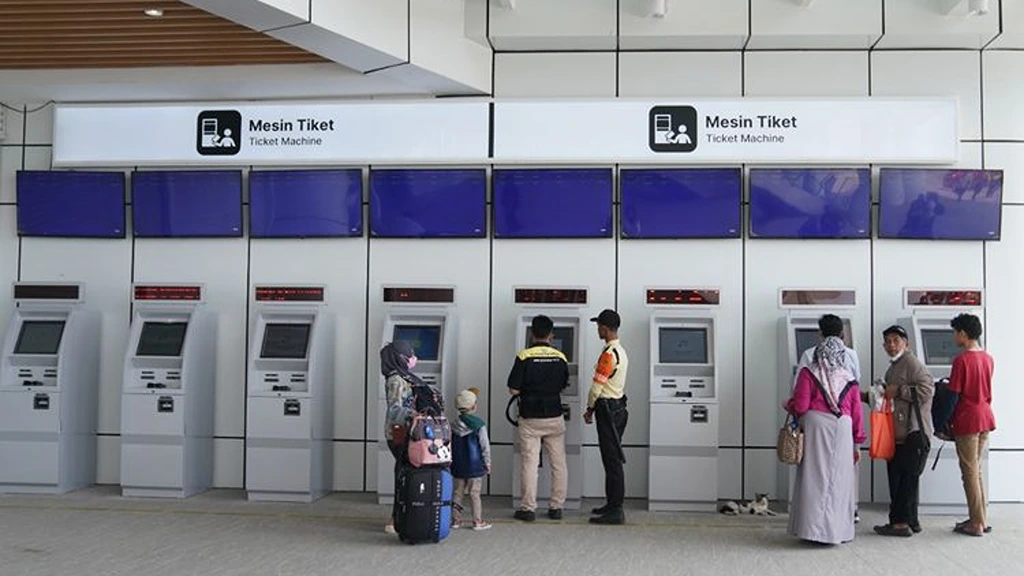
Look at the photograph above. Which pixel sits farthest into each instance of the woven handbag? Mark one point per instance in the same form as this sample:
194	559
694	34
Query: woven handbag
790	446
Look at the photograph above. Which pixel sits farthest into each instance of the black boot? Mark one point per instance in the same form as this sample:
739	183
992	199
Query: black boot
602	510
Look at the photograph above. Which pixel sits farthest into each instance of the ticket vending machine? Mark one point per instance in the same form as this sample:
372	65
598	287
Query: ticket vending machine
167	398
290	424
48	391
683	461
563	306
424	317
931	339
798	332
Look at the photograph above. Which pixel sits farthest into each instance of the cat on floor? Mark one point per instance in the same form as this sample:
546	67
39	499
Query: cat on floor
758	507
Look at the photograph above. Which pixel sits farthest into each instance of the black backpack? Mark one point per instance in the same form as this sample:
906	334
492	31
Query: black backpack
943	405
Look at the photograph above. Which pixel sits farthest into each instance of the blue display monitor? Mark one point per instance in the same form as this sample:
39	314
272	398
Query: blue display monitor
422	203
71	204
187	204
425	340
305	203
553	203
810	203
681	203
938	204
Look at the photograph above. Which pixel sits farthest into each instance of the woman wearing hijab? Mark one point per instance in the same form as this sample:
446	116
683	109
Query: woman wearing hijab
826	400
397	359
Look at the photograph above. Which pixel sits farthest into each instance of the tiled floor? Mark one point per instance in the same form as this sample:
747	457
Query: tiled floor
96	532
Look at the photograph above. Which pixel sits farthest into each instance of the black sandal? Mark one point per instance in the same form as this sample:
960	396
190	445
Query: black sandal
965	523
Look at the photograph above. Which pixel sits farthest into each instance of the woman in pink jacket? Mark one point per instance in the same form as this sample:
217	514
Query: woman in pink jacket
826	400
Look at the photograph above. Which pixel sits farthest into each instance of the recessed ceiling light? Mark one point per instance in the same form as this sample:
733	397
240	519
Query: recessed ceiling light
154	12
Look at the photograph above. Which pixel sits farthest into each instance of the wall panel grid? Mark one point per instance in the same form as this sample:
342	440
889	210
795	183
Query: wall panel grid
988	85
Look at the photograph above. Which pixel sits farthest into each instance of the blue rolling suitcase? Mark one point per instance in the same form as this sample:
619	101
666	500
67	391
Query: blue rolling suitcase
423	504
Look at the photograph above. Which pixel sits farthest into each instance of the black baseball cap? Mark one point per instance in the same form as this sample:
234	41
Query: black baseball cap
609	318
898	330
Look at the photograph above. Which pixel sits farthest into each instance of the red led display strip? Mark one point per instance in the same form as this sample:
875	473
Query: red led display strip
970	298
550	296
289	294
46	292
683	296
819	298
419	295
168	293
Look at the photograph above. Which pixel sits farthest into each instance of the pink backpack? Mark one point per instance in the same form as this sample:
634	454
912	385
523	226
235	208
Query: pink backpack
430	441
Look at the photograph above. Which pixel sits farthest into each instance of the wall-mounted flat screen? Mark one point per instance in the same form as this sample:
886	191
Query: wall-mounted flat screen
39	337
553	203
683	345
681	203
162	339
563	339
810	203
71	204
422	203
305	203
425	340
187	204
939	348
285	341
923	204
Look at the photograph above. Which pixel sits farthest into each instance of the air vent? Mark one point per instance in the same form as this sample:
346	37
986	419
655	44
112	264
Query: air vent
147	375
298	377
272	377
174	375
24	373
50	373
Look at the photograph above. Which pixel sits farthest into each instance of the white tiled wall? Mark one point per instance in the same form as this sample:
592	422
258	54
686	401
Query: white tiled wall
992	119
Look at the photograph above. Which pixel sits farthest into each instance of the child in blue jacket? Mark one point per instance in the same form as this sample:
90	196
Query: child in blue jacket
471	458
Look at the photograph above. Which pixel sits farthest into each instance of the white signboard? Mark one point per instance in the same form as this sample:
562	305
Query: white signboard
280	134
848	131
856	131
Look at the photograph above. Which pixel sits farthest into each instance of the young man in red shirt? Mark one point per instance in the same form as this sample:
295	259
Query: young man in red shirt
971	379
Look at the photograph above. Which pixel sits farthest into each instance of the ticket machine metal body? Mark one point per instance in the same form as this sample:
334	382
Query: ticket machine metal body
167	400
48	391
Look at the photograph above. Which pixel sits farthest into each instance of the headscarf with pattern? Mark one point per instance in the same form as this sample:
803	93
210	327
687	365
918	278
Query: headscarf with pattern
829	367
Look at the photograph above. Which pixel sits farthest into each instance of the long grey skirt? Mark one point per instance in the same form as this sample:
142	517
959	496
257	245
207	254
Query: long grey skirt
824	502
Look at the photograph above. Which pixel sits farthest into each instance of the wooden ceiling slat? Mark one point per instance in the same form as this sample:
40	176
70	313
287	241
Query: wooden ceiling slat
115	33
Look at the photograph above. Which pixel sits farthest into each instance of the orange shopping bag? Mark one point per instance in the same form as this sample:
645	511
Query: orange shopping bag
883	434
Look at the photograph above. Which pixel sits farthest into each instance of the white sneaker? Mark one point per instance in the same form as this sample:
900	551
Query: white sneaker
390	529
481	526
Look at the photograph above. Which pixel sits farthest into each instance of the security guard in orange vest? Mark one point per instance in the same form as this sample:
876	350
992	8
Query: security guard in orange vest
607	400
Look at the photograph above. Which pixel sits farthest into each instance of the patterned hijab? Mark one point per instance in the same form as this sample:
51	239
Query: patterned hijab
394	359
830	369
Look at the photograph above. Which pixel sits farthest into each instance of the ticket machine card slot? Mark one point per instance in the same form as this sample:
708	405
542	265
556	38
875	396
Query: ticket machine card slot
33	383
683	394
41	402
165	405
699	415
292	408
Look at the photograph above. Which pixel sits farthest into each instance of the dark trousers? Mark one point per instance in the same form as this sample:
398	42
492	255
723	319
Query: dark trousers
611	424
903	486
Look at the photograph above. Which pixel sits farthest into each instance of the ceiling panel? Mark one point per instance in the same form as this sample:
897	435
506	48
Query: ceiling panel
38	34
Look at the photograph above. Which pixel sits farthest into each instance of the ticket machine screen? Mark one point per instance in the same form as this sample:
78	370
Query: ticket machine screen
806	338
425	340
161	339
285	341
683	346
39	337
939	348
562	339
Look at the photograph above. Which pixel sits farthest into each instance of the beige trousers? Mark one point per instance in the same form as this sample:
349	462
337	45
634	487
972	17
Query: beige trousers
531	434
970	449
471	486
